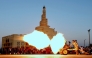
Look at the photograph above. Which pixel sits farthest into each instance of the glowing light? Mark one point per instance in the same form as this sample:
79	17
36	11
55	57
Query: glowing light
40	40
57	43
37	39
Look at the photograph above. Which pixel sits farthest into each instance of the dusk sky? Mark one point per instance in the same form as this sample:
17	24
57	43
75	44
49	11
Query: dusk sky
71	17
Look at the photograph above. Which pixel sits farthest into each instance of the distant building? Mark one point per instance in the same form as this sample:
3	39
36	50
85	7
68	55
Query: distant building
44	27
16	40
13	41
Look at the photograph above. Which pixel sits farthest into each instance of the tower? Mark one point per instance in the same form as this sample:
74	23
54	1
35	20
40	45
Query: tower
44	27
44	21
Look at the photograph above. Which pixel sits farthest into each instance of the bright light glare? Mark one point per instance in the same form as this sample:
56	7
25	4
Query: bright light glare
40	40
57	43
37	39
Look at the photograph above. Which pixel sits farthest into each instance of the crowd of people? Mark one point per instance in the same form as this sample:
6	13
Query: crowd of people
85	50
47	50
81	50
27	50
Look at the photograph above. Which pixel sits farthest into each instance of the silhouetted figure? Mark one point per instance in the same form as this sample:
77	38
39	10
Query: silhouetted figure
69	43
74	42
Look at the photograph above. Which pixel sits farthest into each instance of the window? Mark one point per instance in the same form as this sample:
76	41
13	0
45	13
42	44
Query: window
22	43
18	43
8	44
4	44
6	40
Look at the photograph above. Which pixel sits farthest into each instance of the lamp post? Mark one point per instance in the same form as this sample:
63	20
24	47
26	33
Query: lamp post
84	42
89	36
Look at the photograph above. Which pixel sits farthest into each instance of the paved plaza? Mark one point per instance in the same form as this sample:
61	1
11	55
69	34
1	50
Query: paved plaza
45	56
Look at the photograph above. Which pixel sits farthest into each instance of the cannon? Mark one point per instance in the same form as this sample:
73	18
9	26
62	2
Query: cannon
65	50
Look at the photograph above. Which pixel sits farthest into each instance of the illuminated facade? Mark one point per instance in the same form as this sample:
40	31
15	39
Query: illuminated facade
13	41
44	27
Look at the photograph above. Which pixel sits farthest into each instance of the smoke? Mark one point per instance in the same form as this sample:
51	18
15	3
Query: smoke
37	39
57	43
41	40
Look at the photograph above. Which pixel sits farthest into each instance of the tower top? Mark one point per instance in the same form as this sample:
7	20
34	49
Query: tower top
43	6
44	21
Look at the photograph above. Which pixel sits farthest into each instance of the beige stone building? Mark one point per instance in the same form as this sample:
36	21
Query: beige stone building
13	41
16	40
44	27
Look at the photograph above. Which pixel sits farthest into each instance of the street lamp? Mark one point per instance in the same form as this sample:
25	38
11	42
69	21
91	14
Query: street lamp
89	36
84	42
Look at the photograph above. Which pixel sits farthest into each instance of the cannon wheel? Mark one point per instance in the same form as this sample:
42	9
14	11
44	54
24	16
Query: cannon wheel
65	52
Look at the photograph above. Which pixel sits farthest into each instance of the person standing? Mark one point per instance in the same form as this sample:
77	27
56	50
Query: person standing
74	42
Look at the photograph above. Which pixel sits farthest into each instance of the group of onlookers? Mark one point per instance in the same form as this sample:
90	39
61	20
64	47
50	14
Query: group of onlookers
27	50
85	50
80	50
33	50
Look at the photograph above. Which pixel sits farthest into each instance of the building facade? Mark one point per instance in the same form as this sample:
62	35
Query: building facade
13	41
